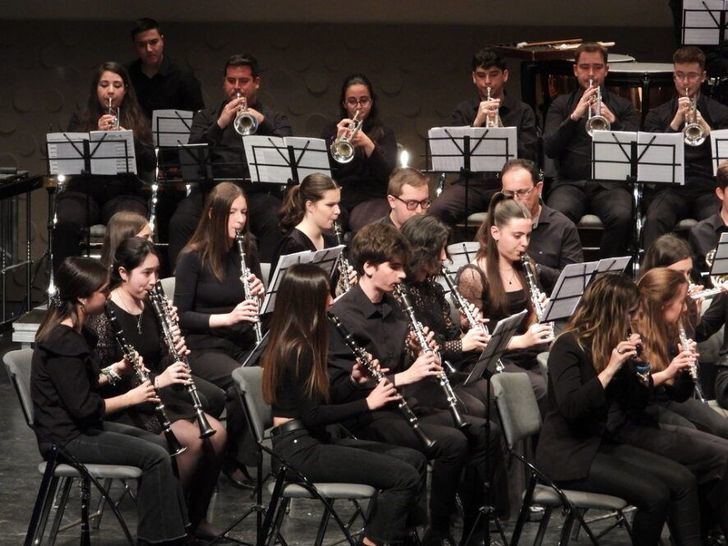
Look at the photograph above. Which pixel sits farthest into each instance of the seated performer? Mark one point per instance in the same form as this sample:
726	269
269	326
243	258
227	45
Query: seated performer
214	126
133	275
378	324
696	199
295	383
69	412
705	235
588	368
216	318
567	142
554	240
160	83
93	199
408	194
363	179
490	74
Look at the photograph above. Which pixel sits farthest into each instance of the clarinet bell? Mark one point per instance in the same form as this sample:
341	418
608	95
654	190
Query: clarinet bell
173	445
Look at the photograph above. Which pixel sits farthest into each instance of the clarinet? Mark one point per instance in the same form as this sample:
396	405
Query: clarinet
452	400
343	264
368	363
693	370
173	445
462	304
535	294
244	274
160	304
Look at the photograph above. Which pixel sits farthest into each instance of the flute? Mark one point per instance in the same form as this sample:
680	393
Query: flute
247	293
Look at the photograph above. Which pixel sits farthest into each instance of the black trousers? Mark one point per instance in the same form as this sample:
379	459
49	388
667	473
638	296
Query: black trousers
612	205
721	386
692	413
262	221
669	206
398	473
451	206
660	488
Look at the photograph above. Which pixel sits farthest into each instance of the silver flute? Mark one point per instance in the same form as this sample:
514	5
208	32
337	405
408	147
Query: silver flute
377	374
535	294
693	370
343	264
169	325
247	293
442	378
160	412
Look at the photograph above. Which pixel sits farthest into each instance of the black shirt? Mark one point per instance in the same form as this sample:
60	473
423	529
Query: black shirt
226	147
711	321
554	244
567	142
297	241
173	87
704	237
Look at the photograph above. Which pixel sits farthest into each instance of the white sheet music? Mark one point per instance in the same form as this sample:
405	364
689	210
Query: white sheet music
701	21
65	153
461	254
609	149
719	146
662	158
490	147
171	127
112	152
268	157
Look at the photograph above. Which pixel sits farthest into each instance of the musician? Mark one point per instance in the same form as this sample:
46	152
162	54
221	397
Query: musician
160	83
489	70
705	235
589	365
569	145
214	126
377	323
296	385
554	239
69	411
408	194
696	199
215	317
121	226
363	181
93	199
496	284
133	274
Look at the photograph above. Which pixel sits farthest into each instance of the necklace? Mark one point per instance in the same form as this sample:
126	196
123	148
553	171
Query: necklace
513	275
126	308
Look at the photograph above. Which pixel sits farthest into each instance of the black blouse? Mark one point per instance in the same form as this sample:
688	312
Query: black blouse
297	241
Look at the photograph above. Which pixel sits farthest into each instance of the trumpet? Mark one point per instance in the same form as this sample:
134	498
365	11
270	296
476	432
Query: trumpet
342	150
161	307
693	132
113	111
376	373
694	372
245	123
452	400
247	293
493	119
173	445
536	295
595	120
343	263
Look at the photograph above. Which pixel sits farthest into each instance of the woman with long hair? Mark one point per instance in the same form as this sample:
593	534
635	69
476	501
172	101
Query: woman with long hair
296	384
133	275
70	412
121	226
364	179
93	199
496	284
592	366
215	317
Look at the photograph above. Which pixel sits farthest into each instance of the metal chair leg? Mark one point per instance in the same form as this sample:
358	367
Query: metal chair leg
525	504
566	530
42	508
99	512
542	526
322	526
64	491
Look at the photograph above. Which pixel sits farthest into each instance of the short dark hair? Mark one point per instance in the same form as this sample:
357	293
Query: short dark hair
142	25
378	243
525	164
689	54
488	57
590	47
243	59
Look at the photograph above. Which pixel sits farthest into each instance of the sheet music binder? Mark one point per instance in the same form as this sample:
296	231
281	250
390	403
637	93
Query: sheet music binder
474	149
285	160
704	22
95	152
171	127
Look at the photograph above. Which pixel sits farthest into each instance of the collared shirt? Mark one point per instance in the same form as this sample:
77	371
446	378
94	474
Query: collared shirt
554	244
567	142
386	220
226	146
704	237
173	87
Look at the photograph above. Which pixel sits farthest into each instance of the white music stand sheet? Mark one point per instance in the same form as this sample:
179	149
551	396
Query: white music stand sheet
268	157
611	153
701	20
719	147
490	148
171	127
65	153
461	254
661	158
112	152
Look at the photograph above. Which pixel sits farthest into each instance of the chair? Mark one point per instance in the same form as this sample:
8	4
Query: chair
520	419
260	418
168	286
18	364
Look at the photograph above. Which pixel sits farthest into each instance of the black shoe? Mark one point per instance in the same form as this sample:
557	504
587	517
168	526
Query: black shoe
435	538
239	477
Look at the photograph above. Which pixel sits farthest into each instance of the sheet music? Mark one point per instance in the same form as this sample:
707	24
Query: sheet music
490	147
269	161
611	150
701	22
661	158
461	254
720	260
65	153
719	147
568	290
171	127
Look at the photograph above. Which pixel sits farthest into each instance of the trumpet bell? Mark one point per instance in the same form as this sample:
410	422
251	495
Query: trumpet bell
245	124
597	123
693	134
342	151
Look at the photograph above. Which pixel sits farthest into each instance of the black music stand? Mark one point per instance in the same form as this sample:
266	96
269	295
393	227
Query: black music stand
483	369
469	151
704	22
719	147
720	261
256	352
285	161
461	254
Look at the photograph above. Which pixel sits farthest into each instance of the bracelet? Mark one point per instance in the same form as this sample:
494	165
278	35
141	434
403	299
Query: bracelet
111	374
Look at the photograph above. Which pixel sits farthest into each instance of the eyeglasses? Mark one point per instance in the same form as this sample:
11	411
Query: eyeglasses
363	101
411	204
518	193
690	76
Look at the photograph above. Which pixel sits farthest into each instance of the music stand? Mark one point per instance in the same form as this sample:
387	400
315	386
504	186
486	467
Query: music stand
720	261
471	150
254	355
325	258
171	127
461	254
287	160
719	147
703	22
